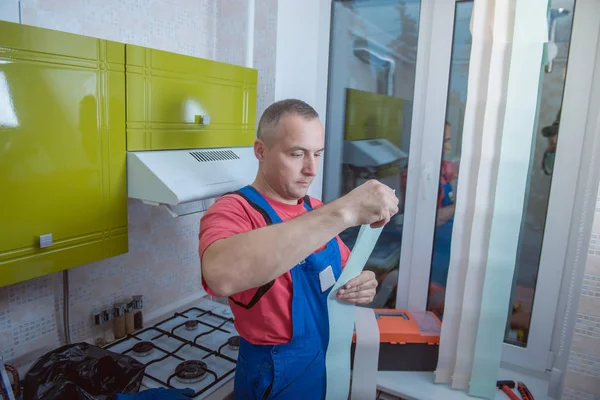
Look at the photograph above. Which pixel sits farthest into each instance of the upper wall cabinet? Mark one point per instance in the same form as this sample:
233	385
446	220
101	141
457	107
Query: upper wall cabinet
70	108
373	116
62	151
176	102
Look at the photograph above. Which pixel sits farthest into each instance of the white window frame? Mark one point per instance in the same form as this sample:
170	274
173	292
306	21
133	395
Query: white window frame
436	28
538	355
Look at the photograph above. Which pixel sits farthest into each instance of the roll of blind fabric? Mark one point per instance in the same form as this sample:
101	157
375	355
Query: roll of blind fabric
366	355
342	317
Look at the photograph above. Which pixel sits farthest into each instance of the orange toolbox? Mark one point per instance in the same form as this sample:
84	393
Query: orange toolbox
409	340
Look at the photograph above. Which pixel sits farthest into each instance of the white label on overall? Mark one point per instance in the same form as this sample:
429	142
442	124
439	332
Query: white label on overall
326	278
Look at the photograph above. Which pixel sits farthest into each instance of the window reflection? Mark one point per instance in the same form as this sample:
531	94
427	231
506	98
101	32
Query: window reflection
544	148
373	57
560	18
8	117
444	224
451	134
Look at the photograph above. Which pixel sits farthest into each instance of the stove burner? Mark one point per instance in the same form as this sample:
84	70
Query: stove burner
191	371
191	325
234	342
143	349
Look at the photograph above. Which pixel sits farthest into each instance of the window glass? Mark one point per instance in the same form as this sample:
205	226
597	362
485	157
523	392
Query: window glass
560	17
451	134
373	51
544	149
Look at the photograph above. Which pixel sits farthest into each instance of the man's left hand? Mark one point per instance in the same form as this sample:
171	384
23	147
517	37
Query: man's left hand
359	290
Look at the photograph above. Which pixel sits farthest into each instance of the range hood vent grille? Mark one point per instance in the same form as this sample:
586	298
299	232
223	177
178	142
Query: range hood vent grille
214	155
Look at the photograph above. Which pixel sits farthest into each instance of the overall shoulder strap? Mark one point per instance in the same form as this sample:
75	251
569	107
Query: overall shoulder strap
307	204
260	204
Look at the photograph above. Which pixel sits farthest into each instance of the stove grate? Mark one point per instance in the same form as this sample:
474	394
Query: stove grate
184	342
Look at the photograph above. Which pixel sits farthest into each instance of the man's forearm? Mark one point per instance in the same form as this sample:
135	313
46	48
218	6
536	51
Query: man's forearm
253	258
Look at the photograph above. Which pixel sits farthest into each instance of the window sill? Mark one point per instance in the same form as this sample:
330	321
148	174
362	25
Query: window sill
420	386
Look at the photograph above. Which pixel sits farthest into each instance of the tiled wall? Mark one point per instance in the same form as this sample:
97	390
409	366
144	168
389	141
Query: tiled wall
582	381
162	263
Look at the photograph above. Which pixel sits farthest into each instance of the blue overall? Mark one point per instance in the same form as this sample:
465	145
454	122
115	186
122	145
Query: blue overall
442	243
294	370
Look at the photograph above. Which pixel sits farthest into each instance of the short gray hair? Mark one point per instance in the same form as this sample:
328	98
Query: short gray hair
271	116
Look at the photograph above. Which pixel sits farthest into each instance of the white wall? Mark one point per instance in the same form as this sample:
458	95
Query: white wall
302	58
9	10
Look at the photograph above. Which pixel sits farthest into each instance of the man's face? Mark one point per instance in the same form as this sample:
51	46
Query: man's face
290	160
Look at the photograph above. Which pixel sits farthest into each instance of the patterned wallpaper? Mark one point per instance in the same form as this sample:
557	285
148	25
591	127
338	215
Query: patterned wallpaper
582	381
231	44
162	263
265	43
231	20
182	26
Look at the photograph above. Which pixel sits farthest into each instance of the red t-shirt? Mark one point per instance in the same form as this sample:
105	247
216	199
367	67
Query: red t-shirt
269	321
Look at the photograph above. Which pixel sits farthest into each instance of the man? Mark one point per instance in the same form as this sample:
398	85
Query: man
448	173
275	252
442	241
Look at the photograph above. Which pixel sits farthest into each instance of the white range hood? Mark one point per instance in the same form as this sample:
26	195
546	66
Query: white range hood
371	152
173	177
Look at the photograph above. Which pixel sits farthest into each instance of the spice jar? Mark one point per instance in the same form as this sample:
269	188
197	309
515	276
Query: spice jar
138	315
98	328
109	335
119	321
129	318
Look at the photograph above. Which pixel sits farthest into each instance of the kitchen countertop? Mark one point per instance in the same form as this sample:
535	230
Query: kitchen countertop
420	386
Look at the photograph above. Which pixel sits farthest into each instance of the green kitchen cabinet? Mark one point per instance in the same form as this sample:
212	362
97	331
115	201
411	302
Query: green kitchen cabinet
373	116
62	151
176	101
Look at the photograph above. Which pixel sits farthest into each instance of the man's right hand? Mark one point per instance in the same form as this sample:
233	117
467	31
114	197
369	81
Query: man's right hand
371	203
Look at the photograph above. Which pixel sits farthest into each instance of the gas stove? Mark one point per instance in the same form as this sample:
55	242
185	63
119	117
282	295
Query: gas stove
195	349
